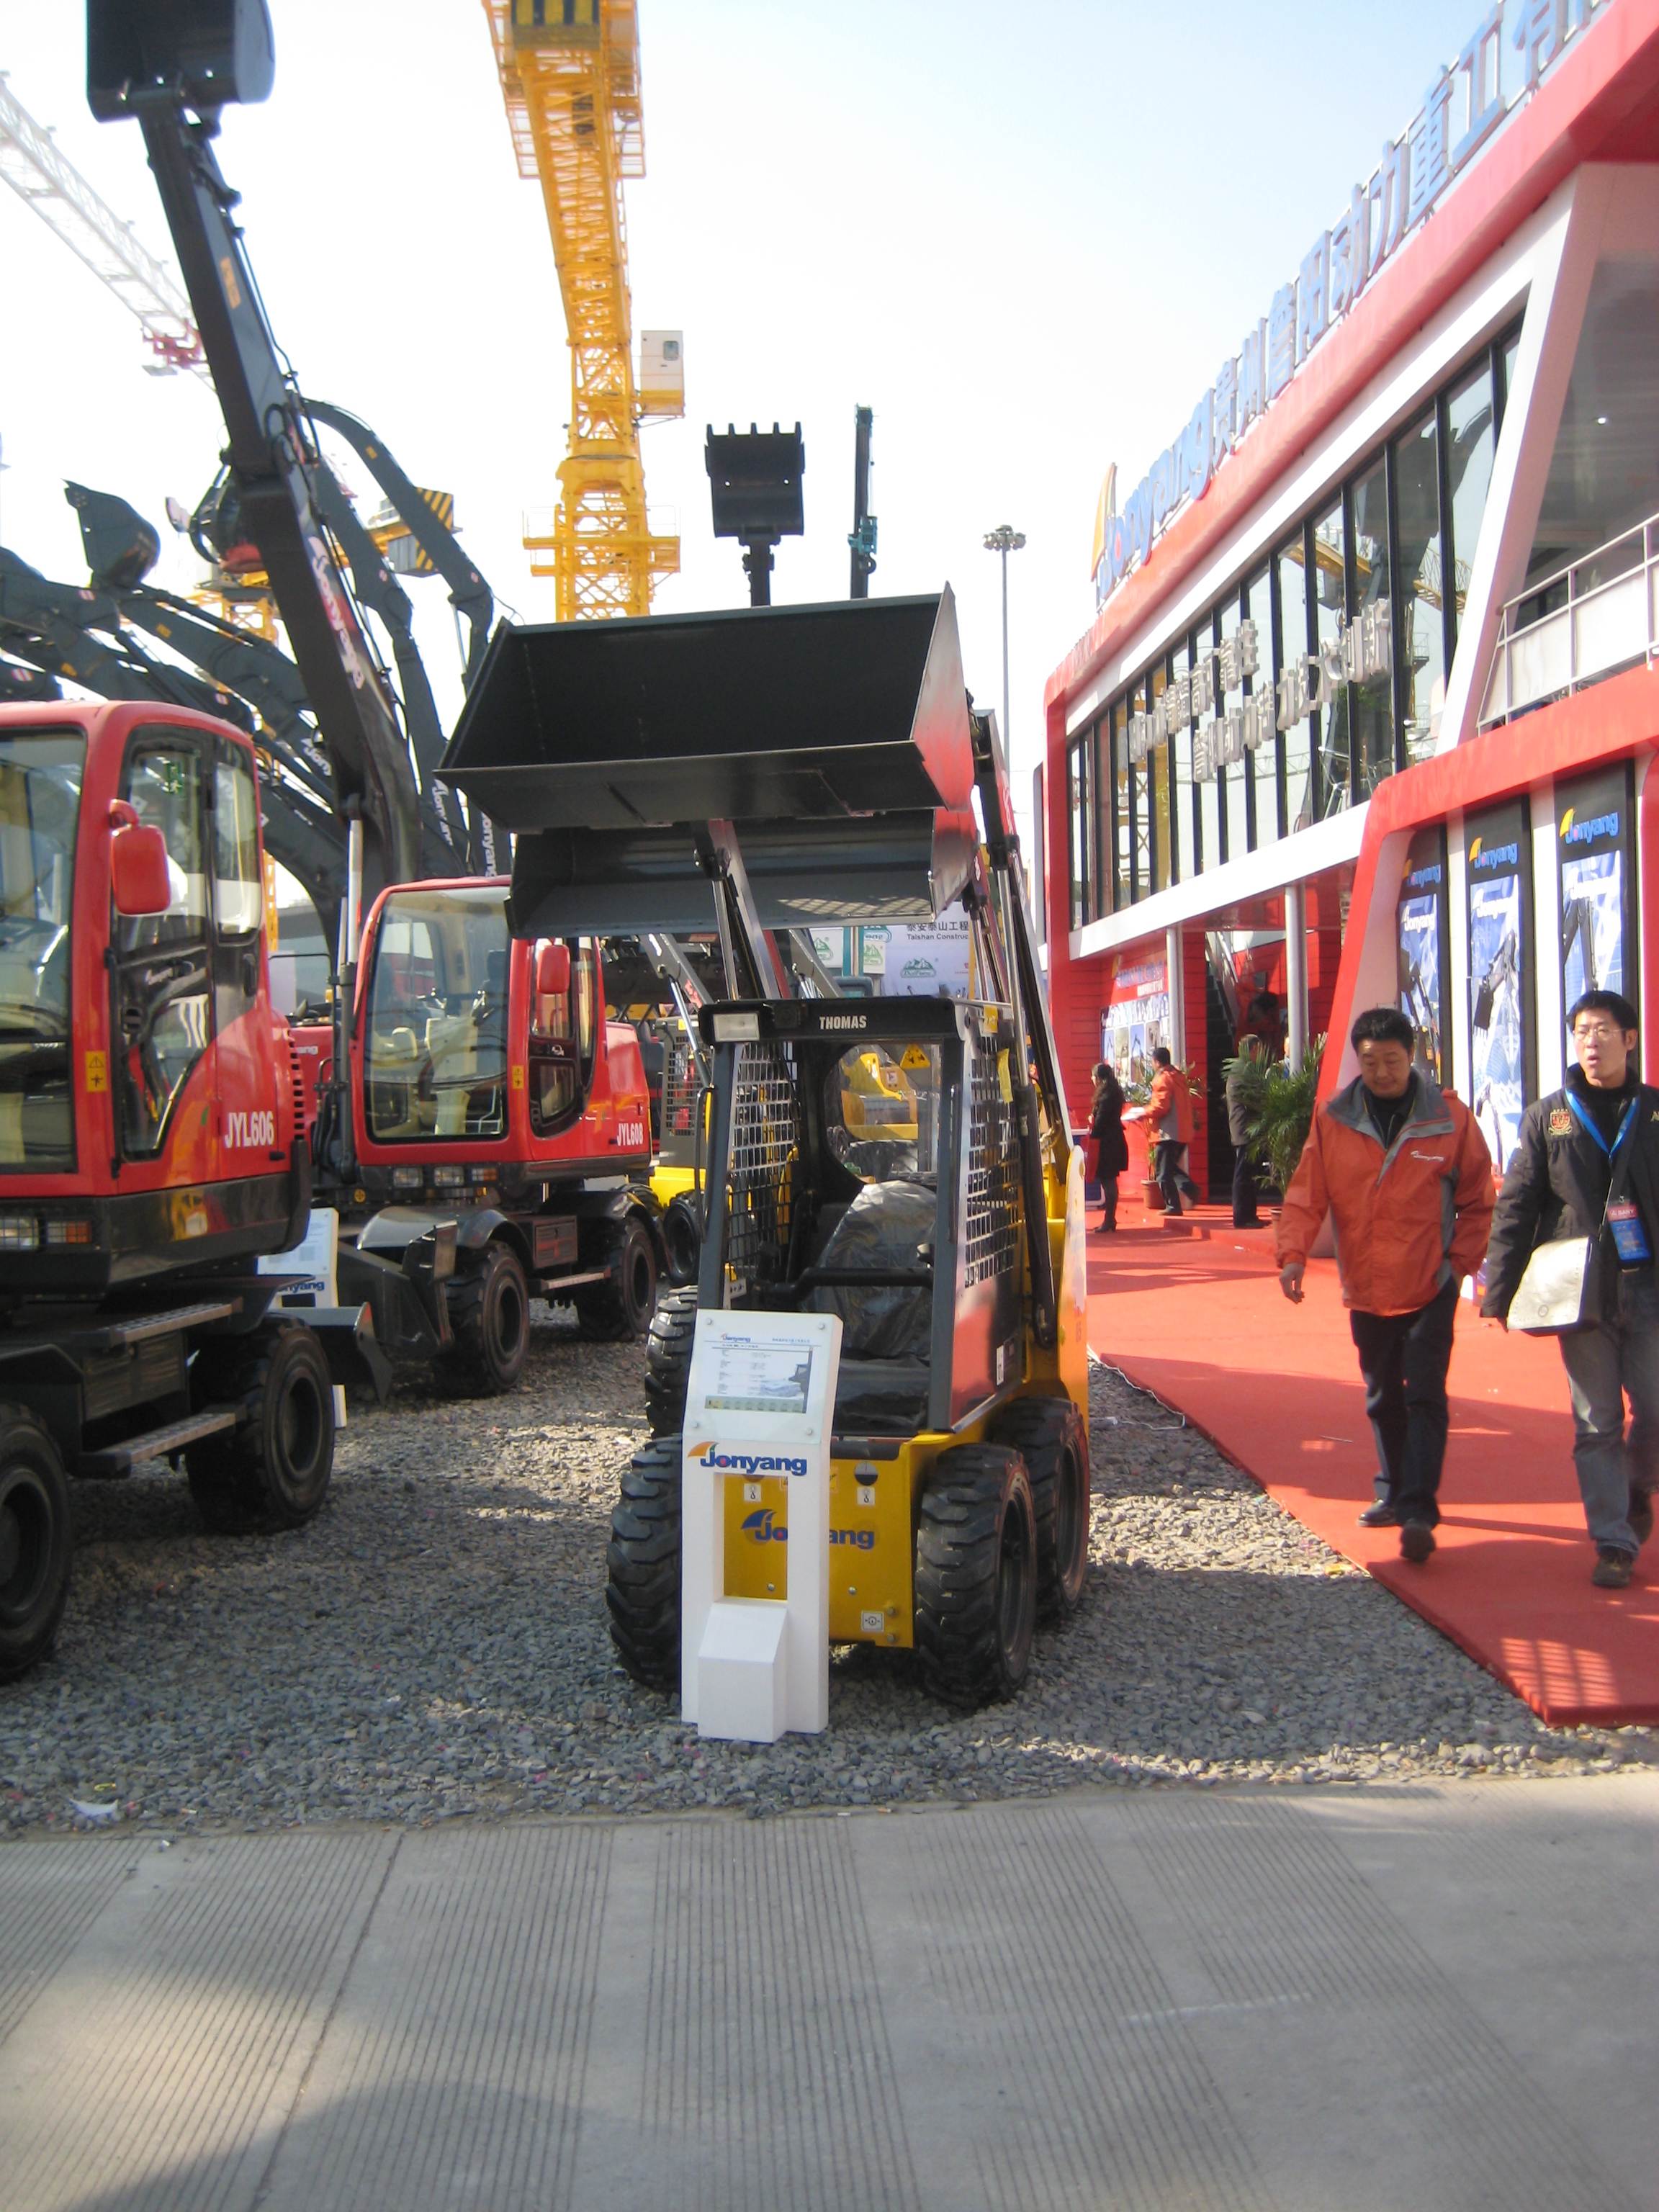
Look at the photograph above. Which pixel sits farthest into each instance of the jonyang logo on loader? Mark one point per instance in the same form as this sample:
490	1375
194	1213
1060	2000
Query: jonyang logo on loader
724	1460
761	1528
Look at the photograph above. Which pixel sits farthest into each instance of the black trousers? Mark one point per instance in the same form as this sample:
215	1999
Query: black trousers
1166	1155
1403	1358
1246	1180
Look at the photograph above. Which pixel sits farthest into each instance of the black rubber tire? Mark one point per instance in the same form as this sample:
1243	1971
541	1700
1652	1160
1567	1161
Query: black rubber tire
271	1470
975	1589
668	1360
621	1305
682	1240
1048	1434
642	1590
37	1541
490	1315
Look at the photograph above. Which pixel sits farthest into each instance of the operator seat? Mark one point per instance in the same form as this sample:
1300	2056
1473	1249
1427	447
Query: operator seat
886	1330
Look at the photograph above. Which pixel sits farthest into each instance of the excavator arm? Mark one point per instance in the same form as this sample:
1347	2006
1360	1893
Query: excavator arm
173	70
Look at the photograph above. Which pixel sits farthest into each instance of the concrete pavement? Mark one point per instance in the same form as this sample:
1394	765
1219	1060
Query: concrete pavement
1317	2001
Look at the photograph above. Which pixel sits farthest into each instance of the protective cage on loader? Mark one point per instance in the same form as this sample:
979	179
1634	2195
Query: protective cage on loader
903	1163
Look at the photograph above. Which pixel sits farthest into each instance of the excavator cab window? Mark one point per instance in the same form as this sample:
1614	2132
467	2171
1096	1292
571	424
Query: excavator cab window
436	1041
40	776
162	1013
238	887
561	1037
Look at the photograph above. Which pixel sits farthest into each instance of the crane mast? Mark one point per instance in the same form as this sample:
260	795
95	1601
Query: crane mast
570	78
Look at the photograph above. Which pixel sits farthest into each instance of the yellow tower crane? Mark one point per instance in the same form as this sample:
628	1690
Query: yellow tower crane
570	76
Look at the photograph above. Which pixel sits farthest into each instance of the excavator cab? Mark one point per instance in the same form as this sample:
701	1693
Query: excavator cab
151	1156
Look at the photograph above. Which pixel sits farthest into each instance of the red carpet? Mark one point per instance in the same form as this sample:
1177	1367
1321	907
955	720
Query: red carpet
1199	1317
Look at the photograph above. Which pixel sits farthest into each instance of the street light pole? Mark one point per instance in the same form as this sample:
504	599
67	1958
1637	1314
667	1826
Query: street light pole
1004	541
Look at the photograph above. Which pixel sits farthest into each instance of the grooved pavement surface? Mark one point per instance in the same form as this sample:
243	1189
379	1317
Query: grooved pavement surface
1158	2000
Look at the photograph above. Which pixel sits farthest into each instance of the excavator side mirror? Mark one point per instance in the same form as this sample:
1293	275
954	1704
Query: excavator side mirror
138	870
552	969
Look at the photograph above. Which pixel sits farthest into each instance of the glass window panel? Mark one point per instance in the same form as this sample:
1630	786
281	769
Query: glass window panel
1201	647
1371	703
1331	721
1120	783
1140	856
238	888
1081	832
1299	797
1181	748
1262	758
1100	765
1422	672
1158	788
1235	775
1471	441
1507	351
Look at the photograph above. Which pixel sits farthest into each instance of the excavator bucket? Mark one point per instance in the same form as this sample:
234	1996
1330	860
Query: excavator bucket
835	739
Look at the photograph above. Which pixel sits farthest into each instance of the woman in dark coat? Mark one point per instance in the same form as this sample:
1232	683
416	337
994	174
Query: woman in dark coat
1111	1146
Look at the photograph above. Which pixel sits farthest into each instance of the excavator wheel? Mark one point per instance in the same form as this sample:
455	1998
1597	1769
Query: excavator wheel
642	1591
36	1541
1048	1434
668	1359
975	1575
490	1314
621	1305
272	1469
682	1240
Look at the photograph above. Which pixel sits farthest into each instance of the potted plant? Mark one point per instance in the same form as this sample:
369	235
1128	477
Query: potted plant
1279	1127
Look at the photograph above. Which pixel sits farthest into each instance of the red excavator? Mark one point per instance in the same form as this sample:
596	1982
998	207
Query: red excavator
151	1146
488	1091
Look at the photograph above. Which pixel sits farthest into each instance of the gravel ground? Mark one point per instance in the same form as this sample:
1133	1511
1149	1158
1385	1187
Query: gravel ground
434	1646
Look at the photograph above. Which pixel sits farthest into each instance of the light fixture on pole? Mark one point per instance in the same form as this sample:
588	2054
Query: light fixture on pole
1005	540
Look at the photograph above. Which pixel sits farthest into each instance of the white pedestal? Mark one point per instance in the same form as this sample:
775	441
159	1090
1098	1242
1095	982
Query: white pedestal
743	1667
759	1402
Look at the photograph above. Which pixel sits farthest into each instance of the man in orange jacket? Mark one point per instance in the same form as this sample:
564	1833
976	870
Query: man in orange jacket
1404	1172
1170	1119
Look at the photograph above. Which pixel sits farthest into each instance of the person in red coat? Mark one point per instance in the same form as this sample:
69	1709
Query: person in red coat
1403	1170
1169	1118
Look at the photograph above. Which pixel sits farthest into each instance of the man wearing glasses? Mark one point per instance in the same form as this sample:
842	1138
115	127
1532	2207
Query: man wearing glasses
1586	1164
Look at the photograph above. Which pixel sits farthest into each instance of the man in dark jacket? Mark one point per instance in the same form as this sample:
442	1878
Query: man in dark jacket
1244	1082
1559	1181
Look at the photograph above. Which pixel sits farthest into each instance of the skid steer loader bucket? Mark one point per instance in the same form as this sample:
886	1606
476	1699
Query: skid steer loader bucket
835	737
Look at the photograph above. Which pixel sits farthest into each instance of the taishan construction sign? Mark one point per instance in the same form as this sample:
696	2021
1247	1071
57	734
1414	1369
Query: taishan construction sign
1462	108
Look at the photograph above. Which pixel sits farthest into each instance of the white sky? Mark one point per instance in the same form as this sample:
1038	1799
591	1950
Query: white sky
1025	236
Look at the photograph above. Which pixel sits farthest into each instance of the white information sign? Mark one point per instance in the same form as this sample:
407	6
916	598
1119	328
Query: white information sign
758	1406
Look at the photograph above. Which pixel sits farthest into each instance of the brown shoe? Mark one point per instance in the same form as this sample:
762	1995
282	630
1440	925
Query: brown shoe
1416	1541
1640	1515
1612	1568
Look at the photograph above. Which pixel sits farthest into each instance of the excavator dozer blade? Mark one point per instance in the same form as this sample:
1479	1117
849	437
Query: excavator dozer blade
835	739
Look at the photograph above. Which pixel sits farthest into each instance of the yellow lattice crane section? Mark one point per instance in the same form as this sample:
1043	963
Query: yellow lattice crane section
570	76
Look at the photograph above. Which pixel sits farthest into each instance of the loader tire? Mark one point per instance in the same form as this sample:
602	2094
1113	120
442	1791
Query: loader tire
642	1589
975	1586
621	1306
668	1360
682	1240
1048	1434
489	1317
36	1541
271	1470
